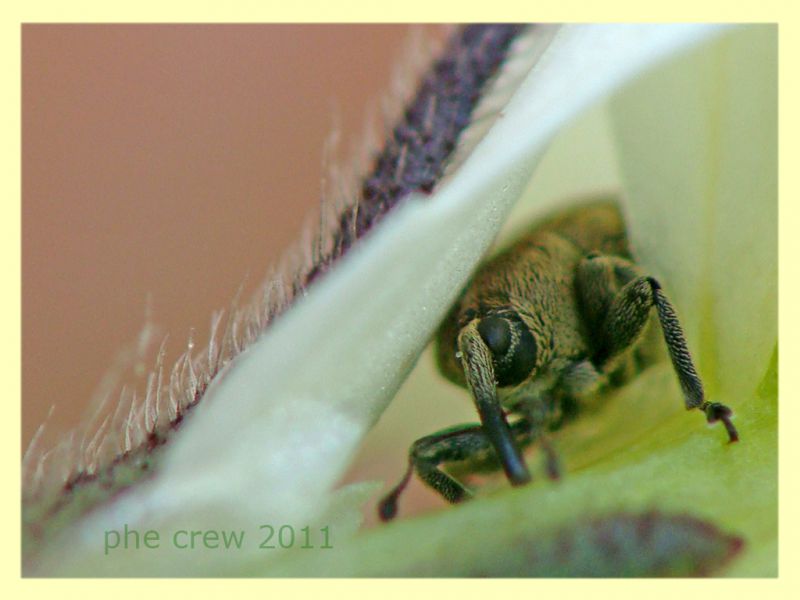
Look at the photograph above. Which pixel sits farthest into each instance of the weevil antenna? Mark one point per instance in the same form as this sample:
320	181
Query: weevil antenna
476	359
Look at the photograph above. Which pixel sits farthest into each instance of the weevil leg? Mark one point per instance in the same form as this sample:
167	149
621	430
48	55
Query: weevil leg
625	321
596	285
599	279
618	319
551	459
425	456
682	362
464	443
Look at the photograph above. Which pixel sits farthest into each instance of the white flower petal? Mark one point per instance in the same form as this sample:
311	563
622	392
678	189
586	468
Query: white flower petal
699	159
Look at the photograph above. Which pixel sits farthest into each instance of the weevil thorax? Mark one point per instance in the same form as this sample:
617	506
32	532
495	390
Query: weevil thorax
525	302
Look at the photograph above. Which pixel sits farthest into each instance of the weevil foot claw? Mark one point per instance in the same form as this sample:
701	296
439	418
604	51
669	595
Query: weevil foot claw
719	412
387	509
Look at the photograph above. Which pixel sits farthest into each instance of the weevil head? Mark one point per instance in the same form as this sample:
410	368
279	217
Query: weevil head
513	346
516	350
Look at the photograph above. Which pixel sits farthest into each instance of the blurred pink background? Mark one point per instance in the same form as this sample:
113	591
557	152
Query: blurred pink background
176	161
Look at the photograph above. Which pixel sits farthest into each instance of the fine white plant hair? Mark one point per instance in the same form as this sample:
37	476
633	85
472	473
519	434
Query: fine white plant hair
144	418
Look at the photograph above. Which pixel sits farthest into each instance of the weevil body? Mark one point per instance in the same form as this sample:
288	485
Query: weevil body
539	329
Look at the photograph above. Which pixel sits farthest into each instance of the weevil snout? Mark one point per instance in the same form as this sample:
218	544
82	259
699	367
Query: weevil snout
481	366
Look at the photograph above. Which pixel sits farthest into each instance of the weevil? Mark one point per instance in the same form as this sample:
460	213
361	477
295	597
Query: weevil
541	328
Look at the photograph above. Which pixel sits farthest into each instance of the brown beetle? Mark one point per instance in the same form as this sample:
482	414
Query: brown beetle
539	329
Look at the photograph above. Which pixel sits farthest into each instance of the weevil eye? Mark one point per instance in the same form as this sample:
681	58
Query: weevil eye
522	358
496	332
512	345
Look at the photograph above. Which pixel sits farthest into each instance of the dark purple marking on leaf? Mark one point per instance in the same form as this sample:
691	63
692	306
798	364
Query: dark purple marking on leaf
626	545
651	544
413	159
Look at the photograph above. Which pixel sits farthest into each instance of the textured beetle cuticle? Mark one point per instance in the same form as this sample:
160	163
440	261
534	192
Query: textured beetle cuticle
541	329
